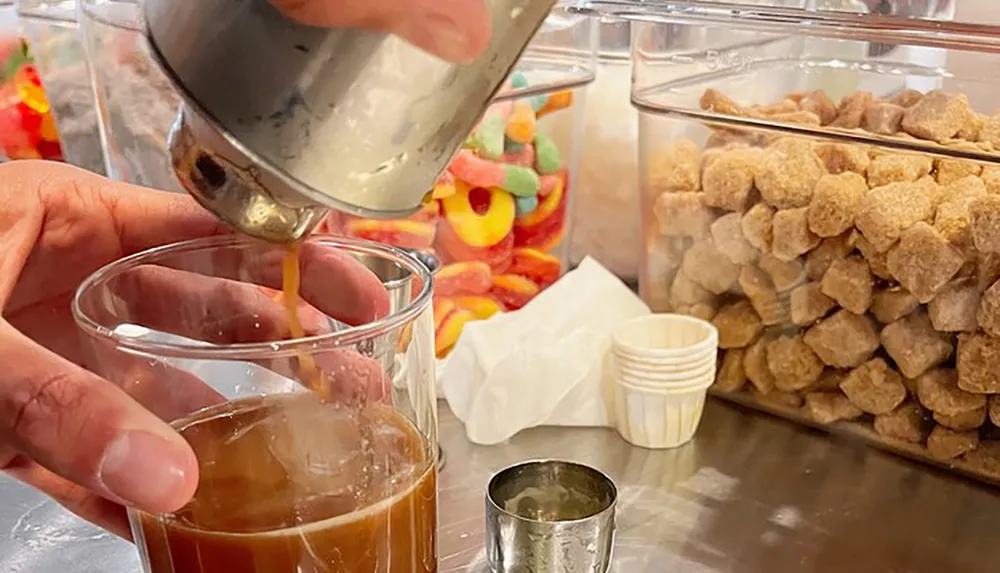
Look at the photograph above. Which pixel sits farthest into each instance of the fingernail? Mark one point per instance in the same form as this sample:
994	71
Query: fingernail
148	472
447	39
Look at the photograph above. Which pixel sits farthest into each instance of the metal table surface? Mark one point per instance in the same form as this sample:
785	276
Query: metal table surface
750	494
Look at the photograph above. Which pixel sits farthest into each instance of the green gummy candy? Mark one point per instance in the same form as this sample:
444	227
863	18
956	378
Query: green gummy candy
547	160
538	102
520	181
488	140
518	80
511	146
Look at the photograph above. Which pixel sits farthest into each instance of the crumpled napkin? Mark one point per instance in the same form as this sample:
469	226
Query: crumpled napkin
544	365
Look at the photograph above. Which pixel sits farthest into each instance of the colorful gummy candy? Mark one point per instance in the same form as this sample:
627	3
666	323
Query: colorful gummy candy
514	291
520	126
494	217
546	157
466	277
27	128
482	172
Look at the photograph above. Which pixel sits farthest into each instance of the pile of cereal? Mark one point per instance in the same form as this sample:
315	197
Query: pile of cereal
849	283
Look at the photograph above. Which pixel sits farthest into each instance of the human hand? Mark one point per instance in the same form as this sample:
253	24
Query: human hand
75	436
456	30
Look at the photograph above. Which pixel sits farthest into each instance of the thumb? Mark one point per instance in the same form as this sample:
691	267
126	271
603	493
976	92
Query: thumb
456	30
88	431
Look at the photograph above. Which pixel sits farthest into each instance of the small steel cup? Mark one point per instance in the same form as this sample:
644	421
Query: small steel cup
550	516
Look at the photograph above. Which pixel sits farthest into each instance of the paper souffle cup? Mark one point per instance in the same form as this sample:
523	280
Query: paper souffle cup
658	419
657	367
695	379
681	377
679	359
664	336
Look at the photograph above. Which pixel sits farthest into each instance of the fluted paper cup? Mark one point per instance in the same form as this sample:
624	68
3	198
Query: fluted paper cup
640	377
705	353
665	338
673	382
658	418
656	368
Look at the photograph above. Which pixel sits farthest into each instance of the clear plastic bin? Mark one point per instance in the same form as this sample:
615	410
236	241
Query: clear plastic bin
500	219
137	103
57	52
607	202
825	187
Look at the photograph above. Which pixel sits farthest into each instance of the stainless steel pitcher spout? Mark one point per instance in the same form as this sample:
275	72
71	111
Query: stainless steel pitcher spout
282	121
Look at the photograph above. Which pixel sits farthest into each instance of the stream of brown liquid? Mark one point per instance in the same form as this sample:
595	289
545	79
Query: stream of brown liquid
291	279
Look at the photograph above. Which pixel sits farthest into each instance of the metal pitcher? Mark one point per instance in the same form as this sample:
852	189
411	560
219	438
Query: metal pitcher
282	121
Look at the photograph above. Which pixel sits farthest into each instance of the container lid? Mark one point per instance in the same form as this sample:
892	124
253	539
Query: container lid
59	10
561	56
934	23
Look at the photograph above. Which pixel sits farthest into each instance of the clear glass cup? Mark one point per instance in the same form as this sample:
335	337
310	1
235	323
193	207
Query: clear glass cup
136	101
340	478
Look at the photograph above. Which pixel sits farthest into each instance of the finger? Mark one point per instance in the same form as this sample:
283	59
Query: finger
221	311
73	207
331	280
139	218
208	309
85	430
146	218
103	513
456	30
165	390
349	377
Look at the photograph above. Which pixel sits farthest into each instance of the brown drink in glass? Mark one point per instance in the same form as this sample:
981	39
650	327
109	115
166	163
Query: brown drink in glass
290	485
315	454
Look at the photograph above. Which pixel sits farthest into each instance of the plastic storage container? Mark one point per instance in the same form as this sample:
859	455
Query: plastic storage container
57	52
499	219
137	103
840	227
607	201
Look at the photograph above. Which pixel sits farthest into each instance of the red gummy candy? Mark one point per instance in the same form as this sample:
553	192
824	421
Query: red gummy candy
429	213
542	227
398	233
469	277
513	291
482	306
454	249
541	268
50	150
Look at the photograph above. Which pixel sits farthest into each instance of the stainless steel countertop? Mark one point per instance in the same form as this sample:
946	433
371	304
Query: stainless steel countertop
751	494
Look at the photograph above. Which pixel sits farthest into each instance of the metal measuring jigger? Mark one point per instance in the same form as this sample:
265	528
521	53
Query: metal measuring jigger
281	120
550	516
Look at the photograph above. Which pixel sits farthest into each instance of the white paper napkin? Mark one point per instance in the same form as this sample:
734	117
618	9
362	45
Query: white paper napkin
544	365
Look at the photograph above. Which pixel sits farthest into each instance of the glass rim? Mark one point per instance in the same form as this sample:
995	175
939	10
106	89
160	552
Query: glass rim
252	350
